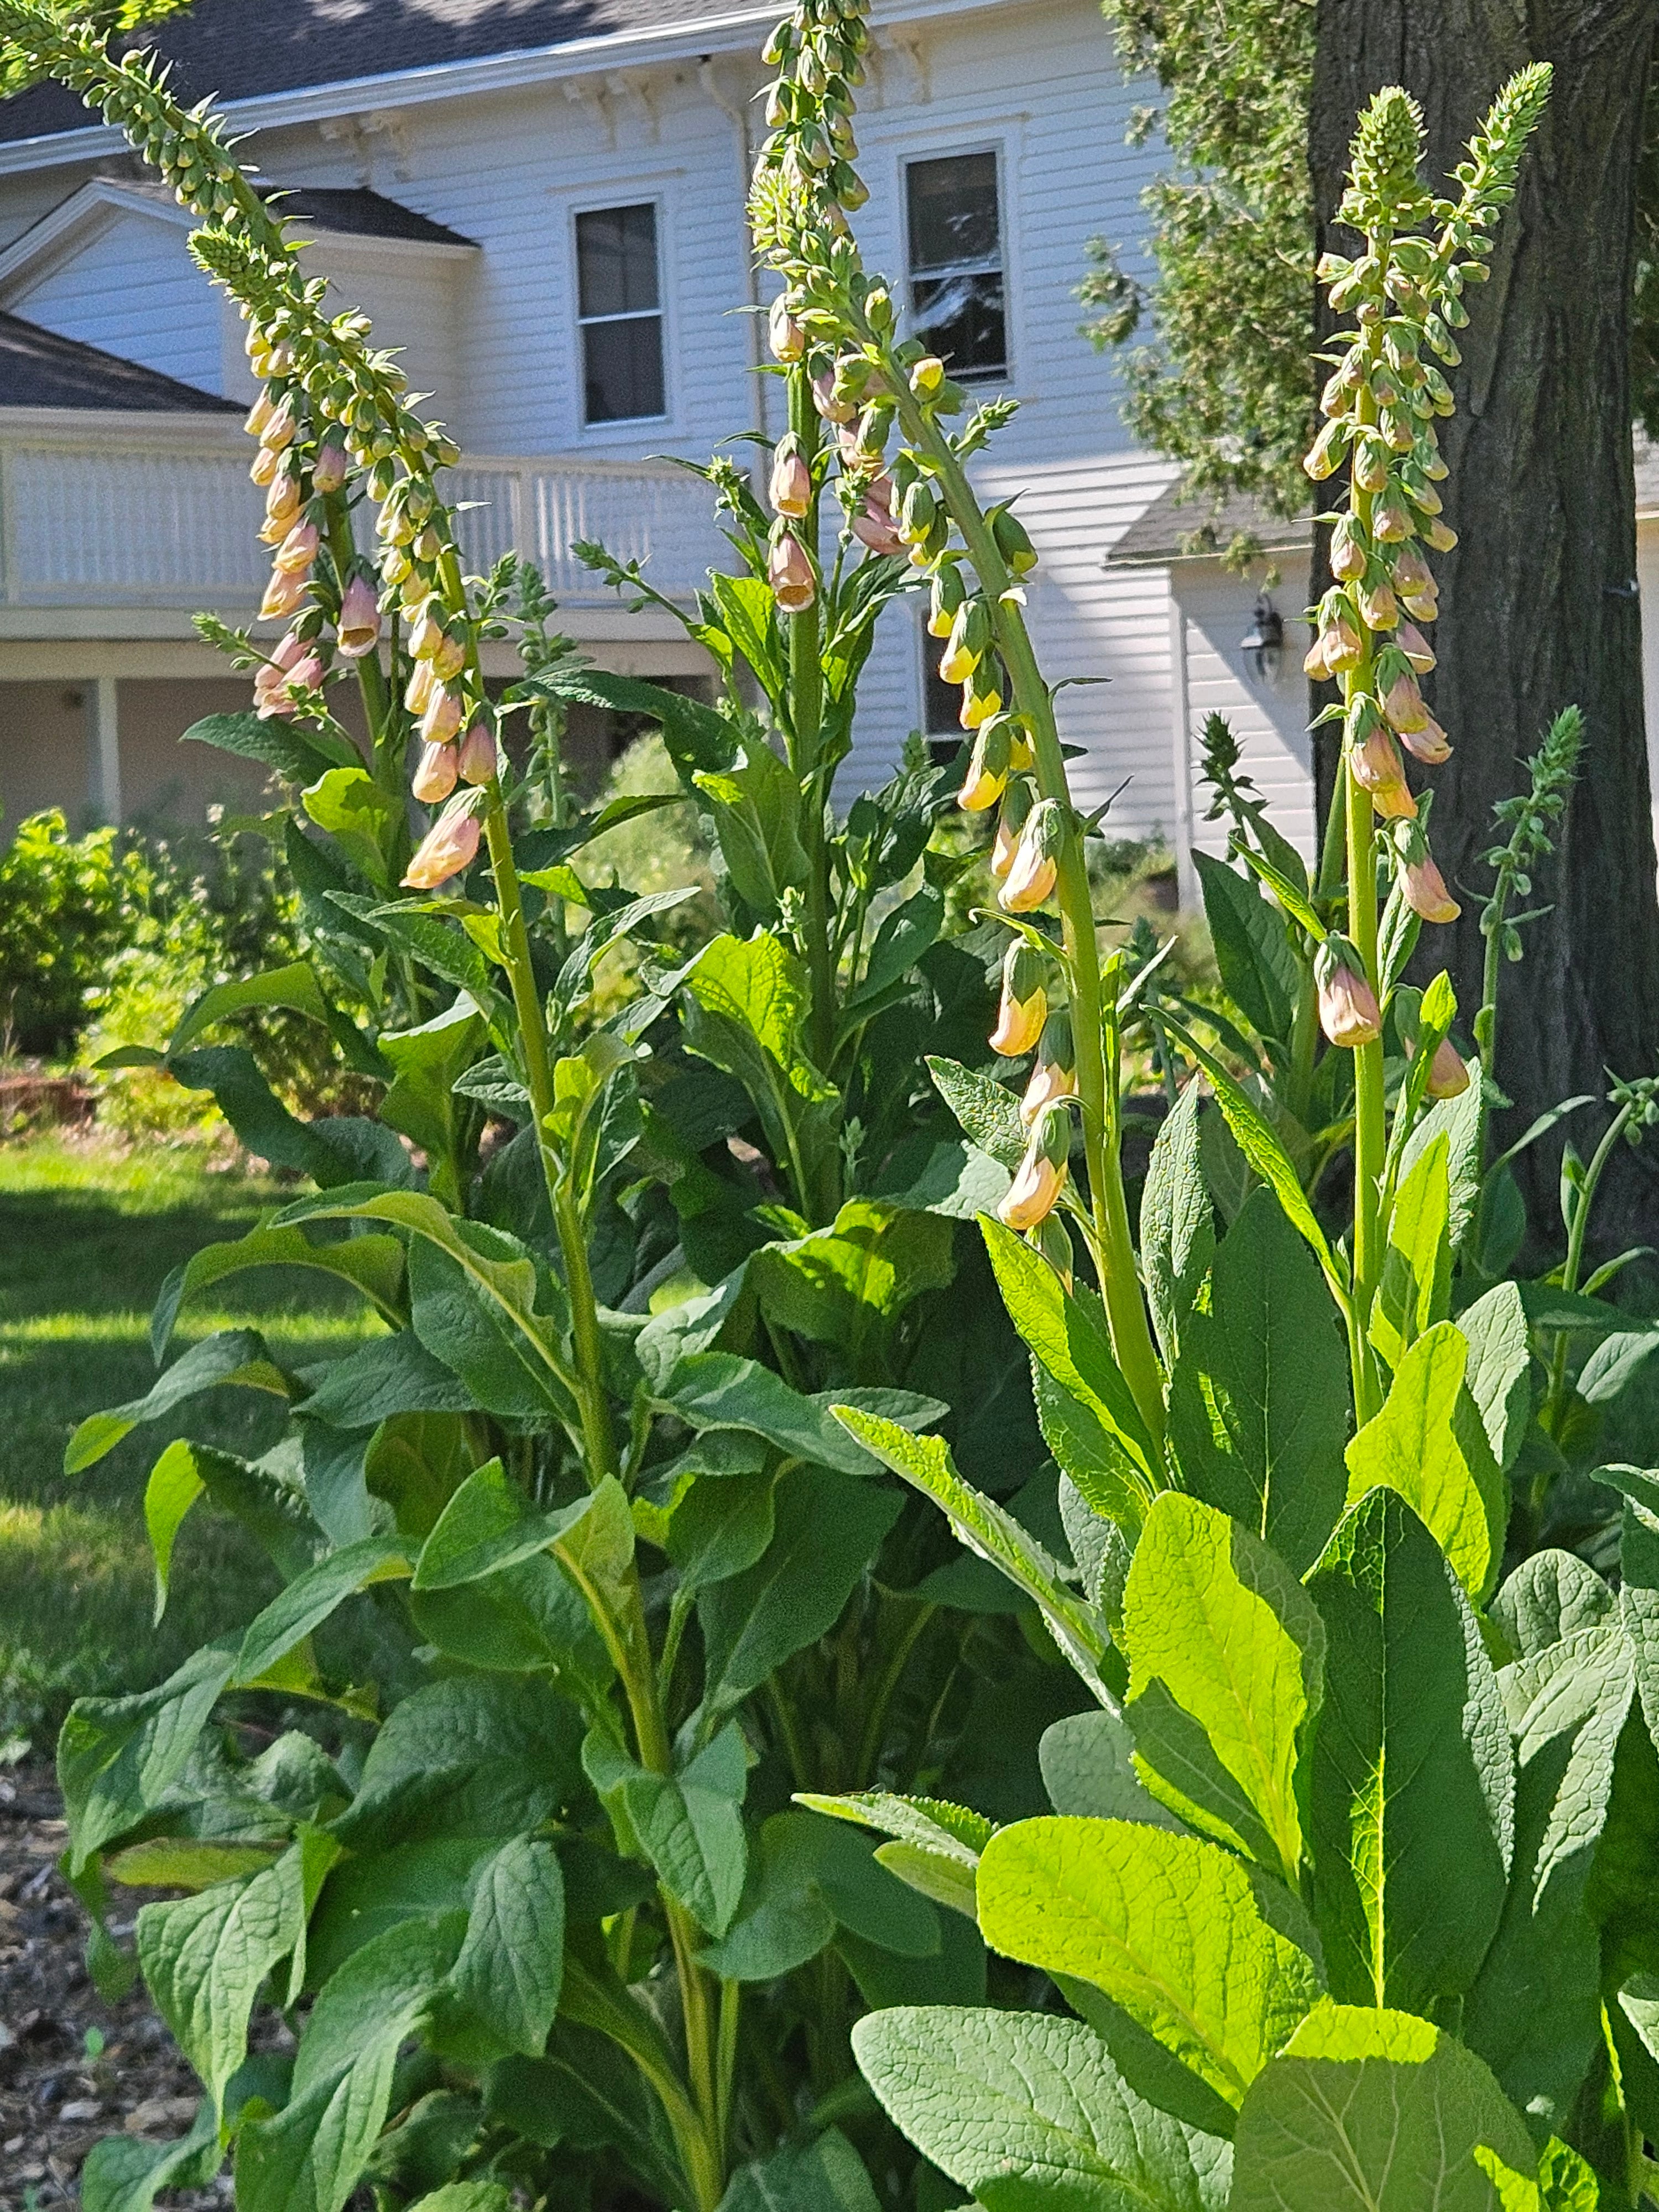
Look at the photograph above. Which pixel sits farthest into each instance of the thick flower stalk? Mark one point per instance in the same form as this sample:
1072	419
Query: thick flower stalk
1386	392
843	323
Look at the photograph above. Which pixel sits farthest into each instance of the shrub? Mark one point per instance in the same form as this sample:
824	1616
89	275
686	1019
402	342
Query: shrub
65	904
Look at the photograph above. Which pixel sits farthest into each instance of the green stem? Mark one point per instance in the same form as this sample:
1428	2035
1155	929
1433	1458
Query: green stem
1554	1404
1371	1117
806	739
1095	1026
886	1689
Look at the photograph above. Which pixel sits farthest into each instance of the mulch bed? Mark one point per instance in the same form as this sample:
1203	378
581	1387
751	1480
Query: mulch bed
55	2100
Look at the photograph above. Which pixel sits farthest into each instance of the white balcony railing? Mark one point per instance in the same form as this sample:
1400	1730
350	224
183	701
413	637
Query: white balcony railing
160	512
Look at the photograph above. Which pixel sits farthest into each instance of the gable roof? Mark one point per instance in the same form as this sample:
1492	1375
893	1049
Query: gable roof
38	369
238	49
1178	527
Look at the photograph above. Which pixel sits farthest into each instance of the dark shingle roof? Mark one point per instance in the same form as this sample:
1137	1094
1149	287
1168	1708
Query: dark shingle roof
38	369
236	49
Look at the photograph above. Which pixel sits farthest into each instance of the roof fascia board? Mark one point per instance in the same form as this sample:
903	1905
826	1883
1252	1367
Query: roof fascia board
454	80
364	246
97	199
120	426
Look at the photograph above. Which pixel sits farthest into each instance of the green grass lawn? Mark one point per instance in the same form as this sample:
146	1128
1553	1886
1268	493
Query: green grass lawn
88	1236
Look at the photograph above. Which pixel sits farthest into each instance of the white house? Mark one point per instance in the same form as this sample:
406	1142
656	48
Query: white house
542	203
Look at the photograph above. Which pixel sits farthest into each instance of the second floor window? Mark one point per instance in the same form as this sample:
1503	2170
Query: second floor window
957	290
619	308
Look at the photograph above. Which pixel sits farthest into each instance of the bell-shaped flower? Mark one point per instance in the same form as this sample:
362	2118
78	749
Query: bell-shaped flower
1402	705
1053	1072
1348	1012
298	550
1036	861
284	594
478	755
328	470
791	486
1422	886
1041	1176
1011	821
788	339
1415	646
450	846
1449	1074
419	687
358	630
789	571
872	519
1023	1008
442	717
435	775
1430	745
988	767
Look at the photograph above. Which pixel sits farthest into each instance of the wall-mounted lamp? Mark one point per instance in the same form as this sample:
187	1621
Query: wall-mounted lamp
1264	642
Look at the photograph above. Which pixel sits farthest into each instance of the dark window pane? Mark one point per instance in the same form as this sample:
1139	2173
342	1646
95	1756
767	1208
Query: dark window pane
961	319
617	260
953	211
941	702
622	365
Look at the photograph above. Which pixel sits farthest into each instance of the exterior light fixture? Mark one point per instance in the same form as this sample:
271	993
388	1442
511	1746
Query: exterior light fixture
1264	642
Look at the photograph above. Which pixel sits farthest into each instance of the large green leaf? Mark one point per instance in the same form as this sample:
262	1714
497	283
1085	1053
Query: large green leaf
1252	949
489	1524
508	1975
1087	1761
1415	1291
525	1619
1117	1466
843	1286
827	1529
935	1846
757	819
823	2175
117	1757
690	1824
205	1958
1259	1399
1372	2111
749	998
337	1148
1428	1445
713	1390
991	1534
387	1376
1168	1926
467	1756
299	751
313	1596
123	2173
1497	1376
426	1063
1413	1798
988	1112
1177	1228
372	1265
1027	2112
232	1356
1226	1657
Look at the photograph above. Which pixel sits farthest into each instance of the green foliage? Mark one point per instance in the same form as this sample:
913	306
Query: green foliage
66	902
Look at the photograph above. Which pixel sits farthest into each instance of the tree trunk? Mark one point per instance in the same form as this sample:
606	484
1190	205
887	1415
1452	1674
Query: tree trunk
1538	602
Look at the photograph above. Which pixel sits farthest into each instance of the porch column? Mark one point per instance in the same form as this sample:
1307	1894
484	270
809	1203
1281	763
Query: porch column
105	735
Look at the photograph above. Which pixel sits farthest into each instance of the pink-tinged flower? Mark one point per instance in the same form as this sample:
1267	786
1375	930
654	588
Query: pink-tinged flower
1347	551
1403	707
1448	1074
449	846
279	430
478	755
789	571
284	594
282	501
1413	574
1313	662
426	636
442	717
791	488
435	775
265	465
298	550
1422	606
419	687
307	675
787	338
1343	648
1430	745
449	660
1375	762
1395	803
1376	605
872	523
1348	1012
834	406
258	415
1415	646
1424	888
358	630
328	470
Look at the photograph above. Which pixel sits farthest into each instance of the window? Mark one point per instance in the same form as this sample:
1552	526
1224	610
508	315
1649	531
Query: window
619	308
957	304
941	704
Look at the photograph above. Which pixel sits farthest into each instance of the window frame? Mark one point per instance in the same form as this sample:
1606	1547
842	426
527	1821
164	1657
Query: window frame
916	148
619	196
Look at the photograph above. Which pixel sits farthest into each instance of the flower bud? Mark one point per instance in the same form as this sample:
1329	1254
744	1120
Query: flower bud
1441	535
1014	543
1031	877
791	488
1375	602
1422	606
1415	646
449	660
1329	448
1052	1239
284	594
280	430
1402	705
1424	887
449	846
970	640
358	630
948	592
980	705
788	339
265	465
258	415
1011	821
1430	745
1348	1012
1024	1006
987	769
927	376
873	522
1041	1173
1391	518
427	635
442	717
1447	1075
478	755
298	550
1053	1072
435	775
918	511
789	571
1341	645
1347	550
281	502
835	404
328	470
1371	464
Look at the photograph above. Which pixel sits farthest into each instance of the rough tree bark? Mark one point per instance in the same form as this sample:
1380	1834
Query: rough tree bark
1538	602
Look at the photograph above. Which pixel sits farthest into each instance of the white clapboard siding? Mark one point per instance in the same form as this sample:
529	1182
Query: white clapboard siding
1269	714
132	290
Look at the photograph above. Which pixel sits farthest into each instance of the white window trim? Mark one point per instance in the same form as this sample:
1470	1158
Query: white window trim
629	428
938	142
